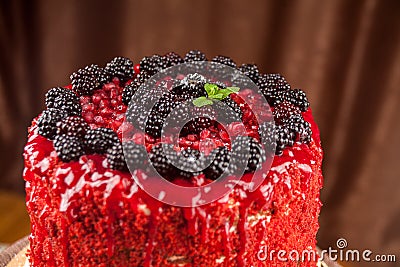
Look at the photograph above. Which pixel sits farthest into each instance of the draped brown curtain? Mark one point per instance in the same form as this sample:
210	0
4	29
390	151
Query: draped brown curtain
344	54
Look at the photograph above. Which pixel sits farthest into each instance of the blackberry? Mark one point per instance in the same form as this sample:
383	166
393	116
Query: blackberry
100	139
179	115
154	125
158	114
182	93
120	67
200	118
72	107
300	128
192	86
172	59
129	154
132	87
284	137
164	105
128	92
205	111
83	82
305	134
188	162
86	80
284	110
189	88
195	55
64	99
139	110
273	81
68	147
219	72
161	156
132	115
274	97
298	97
73	126
251	71
194	81
135	154
100	75
267	134
243	144
242	82
153	64
55	93
103	77
137	115
257	156
219	158
233	107
182	112
115	158
224	60
190	153
239	150
286	133
47	122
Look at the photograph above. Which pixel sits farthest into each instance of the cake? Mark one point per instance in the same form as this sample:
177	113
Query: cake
93	150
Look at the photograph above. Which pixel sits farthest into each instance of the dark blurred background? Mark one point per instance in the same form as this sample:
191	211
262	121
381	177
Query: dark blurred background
344	54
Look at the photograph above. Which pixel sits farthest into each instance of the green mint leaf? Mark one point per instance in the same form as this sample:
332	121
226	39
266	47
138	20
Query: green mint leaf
214	92
233	89
217	96
225	92
211	88
202	101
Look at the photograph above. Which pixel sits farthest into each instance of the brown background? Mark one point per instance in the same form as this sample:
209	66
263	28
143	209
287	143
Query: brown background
344	54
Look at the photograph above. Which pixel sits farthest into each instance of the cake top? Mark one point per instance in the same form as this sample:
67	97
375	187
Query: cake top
205	119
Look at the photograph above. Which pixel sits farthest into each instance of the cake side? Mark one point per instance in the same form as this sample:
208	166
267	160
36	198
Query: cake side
125	216
85	213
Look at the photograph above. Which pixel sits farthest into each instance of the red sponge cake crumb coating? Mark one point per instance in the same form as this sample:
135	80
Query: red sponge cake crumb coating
87	210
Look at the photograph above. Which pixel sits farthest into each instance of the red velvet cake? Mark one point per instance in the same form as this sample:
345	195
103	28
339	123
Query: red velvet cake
86	208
